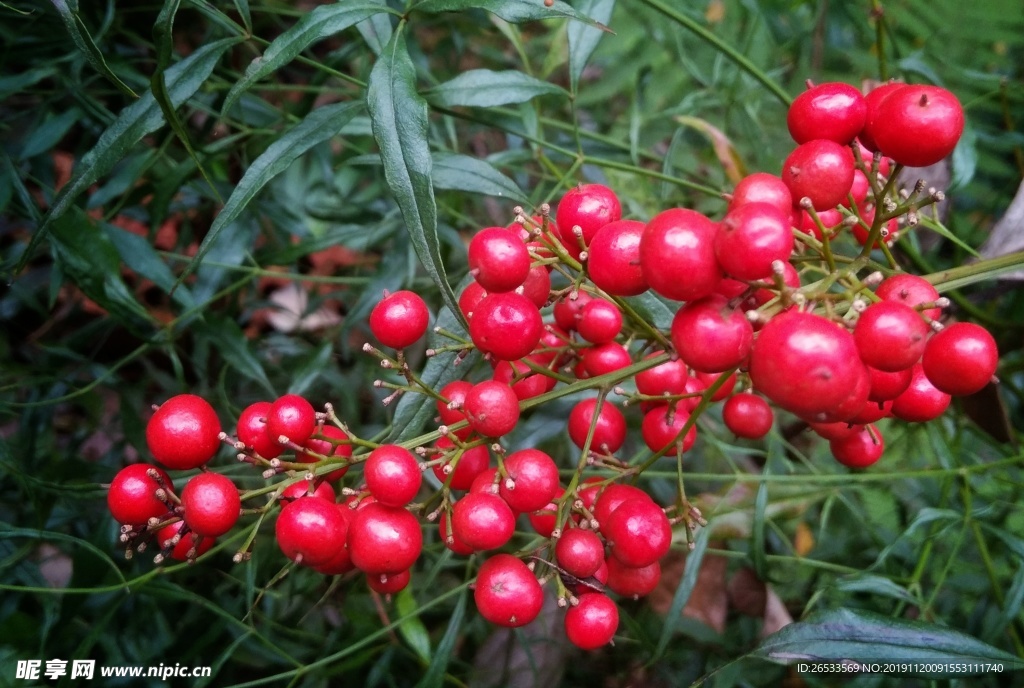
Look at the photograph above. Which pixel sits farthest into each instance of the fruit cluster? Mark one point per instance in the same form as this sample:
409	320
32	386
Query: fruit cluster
773	307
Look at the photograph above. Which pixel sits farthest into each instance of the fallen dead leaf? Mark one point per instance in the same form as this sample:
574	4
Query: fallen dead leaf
709	601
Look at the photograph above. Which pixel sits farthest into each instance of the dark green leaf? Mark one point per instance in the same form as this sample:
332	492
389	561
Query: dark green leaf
321	22
652	309
302	380
466	173
16	82
80	37
839	634
136	121
683	592
399	119
376	31
583	38
876	585
514	11
49	133
411	627
487	88
139	255
434	677
228	339
318	126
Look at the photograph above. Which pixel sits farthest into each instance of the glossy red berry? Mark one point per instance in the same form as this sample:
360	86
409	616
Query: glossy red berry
921	401
292	417
661	427
890	336
341	561
301	489
568	310
605	358
389	584
452	542
472	295
887	386
600	321
532	480
498	260
189	546
132	495
820	170
708	379
507	326
833	111
710	336
184	433
961	359
677	255
638	532
384	539
537	286
910	290
252	430
860	449
668	378
632	581
399	319
752	237
918	125
468	464
873	100
392	475
331	442
589	207
506	592
311	530
211	504
609	428
610	498
614	258
580	552
592	623
483	521
492	408
761	187
748	415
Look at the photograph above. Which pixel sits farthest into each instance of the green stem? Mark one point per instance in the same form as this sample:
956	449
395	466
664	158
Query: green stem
954	278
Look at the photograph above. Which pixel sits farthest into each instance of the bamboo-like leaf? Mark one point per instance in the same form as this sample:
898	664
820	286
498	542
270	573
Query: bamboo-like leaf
399	119
683	592
466	173
142	117
583	39
317	127
514	11
321	22
487	88
68	10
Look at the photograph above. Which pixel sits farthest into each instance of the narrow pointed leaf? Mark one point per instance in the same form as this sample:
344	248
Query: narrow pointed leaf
323	21
583	38
488	88
318	126
514	11
399	120
466	173
83	41
139	119
376	31
684	591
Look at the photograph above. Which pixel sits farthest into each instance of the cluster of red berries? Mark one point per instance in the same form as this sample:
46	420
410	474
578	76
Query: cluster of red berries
766	312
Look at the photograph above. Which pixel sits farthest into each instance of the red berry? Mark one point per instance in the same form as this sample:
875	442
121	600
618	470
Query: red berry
887	386
833	111
252	430
910	290
677	255
609	499
534	480
710	336
507	326
132	495
752	237
834	431
638	532
614	258
761	187
708	379
341	561
609	429
605	358
918	125
589	207
961	359
568	310
748	415
592	623
661	427
506	592
389	584
820	170
873	101
384	539
543	520
451	412
187	543
632	581
921	401
211	504
537	286
860	449
668	378
580	552
184	432
492	408
469	463
399	319
292	417
454	544
524	381
392	475
472	295
483	521
321	443
486	481
498	260
301	489
311	530
600	321
890	336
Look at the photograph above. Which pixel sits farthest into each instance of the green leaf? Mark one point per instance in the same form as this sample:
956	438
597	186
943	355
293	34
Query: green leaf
12	84
323	21
757	545
583	39
839	634
466	173
48	134
376	31
139	255
514	11
923	518
487	88
652	309
399	120
876	585
411	627
434	677
683	592
136	121
227	338
318	126
68	10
